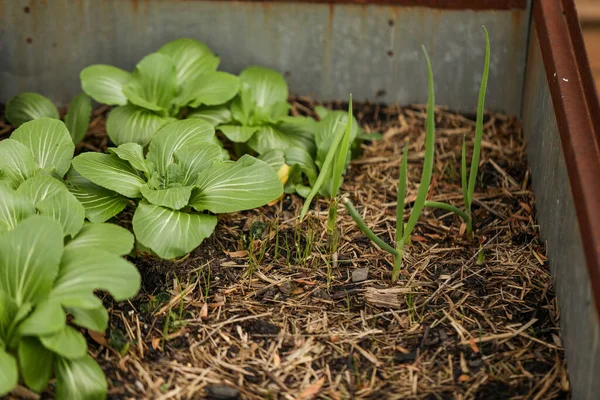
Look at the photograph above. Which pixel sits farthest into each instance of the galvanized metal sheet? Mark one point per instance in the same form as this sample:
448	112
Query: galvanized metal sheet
580	328
325	51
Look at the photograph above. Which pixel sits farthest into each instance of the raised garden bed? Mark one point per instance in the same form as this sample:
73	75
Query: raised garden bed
262	309
272	307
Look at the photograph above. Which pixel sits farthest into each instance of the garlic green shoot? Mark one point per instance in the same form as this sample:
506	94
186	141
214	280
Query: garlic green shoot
468	183
403	232
332	169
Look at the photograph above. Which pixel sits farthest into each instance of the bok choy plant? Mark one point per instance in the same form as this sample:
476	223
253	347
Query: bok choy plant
178	186
301	168
469	188
403	232
51	263
258	115
180	75
28	106
41	146
44	147
257	121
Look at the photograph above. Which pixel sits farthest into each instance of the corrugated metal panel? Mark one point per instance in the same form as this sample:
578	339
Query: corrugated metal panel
580	328
324	50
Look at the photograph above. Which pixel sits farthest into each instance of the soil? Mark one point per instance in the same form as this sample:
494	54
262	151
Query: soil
263	310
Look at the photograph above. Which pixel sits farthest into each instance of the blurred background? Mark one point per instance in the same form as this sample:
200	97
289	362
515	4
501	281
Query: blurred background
589	14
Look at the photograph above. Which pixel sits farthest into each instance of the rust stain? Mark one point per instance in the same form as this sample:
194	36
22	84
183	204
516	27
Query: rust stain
135	5
32	20
80	7
267	10
328	51
516	19
363	10
330	26
435	23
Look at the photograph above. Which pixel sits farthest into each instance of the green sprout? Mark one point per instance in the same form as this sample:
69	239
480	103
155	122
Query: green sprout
332	171
469	188
403	232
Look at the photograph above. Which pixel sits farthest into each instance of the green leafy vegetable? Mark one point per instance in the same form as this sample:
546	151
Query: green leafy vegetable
130	123
215	115
28	106
258	118
36	363
80	379
9	374
153	84
109	237
100	204
51	197
44	147
104	83
181	74
170	233
42	281
78	117
40	146
49	141
183	176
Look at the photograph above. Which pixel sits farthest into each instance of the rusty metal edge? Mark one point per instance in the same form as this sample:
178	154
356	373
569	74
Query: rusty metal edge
577	113
444	4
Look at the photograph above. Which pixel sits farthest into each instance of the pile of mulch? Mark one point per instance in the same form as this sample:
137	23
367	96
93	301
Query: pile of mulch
264	309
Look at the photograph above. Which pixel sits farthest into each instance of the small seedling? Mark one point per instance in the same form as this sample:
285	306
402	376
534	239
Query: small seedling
468	184
403	232
256	253
257	246
275	228
181	298
165	332
205	275
332	172
480	256
304	243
